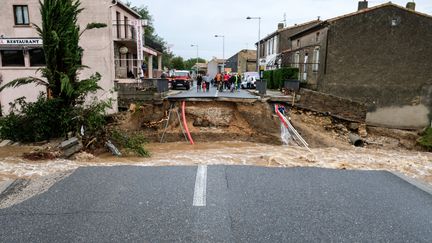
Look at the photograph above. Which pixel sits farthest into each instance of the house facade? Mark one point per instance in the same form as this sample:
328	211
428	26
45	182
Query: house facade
272	46
243	61
381	56
113	51
215	66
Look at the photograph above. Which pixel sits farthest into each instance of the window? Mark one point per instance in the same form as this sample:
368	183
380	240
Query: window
298	43
118	24
305	63
21	15
296	59
126	25
315	64
37	57
317	36
12	58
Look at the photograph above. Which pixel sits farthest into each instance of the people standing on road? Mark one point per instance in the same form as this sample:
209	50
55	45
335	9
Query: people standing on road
219	81
199	82
239	80
207	82
226	81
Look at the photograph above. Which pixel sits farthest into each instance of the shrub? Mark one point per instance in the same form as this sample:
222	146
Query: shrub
38	121
426	139
282	74
268	75
48	118
131	143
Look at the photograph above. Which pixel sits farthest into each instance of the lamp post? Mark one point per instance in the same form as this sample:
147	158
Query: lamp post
259	38
223	51
197	68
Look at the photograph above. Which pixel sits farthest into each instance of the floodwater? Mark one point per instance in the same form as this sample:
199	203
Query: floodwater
413	164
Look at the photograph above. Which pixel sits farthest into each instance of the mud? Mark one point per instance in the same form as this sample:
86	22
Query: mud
207	121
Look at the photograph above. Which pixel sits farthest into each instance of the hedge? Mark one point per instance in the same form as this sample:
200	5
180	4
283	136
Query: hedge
275	78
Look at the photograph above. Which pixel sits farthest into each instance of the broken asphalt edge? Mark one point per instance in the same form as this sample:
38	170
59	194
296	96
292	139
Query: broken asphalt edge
415	182
4	185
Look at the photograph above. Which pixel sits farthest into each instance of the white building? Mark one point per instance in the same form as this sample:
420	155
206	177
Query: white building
111	51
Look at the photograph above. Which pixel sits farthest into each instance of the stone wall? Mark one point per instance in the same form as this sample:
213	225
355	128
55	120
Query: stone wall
382	58
338	107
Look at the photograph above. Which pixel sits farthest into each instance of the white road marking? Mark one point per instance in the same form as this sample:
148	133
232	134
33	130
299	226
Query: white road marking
217	93
199	199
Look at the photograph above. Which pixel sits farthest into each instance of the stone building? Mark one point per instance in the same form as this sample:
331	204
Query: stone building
275	43
112	51
381	56
215	66
243	61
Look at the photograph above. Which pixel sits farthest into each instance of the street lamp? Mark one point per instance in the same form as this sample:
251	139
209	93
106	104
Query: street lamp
259	38
223	51
197	68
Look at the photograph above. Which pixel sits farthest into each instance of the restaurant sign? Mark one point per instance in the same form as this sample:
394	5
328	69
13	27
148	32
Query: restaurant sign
21	41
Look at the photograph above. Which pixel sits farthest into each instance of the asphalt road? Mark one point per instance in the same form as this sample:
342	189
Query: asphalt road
242	204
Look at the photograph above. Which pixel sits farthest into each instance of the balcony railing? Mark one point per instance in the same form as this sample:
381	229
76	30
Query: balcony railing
123	31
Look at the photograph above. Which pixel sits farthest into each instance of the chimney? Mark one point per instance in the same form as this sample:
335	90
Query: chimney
281	26
411	5
362	5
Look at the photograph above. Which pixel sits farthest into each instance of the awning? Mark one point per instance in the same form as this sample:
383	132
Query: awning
19	47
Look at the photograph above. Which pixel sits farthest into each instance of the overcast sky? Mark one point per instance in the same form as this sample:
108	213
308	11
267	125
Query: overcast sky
185	22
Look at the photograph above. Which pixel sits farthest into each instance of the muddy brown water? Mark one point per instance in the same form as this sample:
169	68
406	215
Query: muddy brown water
411	163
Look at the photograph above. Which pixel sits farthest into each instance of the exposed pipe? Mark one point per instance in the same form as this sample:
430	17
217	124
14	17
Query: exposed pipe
288	125
356	140
185	123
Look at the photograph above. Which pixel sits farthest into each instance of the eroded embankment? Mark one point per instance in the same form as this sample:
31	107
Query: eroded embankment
207	121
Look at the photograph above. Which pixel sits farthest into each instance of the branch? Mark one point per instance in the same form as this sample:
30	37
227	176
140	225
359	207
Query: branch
23	81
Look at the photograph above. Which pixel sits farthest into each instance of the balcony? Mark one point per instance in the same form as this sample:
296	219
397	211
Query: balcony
123	32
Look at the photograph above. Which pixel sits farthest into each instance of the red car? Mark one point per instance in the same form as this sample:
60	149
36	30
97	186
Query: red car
181	78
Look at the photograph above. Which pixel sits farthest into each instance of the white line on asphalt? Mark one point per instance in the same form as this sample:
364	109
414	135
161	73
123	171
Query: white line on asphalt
217	93
199	199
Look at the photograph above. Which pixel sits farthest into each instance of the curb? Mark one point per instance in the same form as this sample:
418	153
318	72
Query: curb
4	185
419	184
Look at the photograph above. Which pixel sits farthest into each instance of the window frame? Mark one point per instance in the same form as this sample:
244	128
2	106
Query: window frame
30	58
12	65
316	59
23	15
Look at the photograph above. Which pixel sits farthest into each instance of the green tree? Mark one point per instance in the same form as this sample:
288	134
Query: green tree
177	63
60	33
151	35
189	63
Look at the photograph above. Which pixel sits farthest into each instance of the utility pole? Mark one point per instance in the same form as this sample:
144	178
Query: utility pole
223	51
259	39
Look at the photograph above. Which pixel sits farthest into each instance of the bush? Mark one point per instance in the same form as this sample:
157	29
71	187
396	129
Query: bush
32	122
426	139
131	143
48	118
282	74
268	75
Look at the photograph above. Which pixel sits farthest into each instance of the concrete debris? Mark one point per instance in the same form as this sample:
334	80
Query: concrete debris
83	156
362	131
5	185
70	147
113	148
5	143
354	126
69	143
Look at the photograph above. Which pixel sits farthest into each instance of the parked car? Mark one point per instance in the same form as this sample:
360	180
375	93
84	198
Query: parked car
181	78
249	80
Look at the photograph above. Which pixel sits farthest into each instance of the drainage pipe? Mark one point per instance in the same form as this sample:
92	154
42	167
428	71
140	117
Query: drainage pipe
288	125
356	140
185	123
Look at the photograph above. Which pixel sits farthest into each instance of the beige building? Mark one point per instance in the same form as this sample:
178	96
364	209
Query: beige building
113	51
